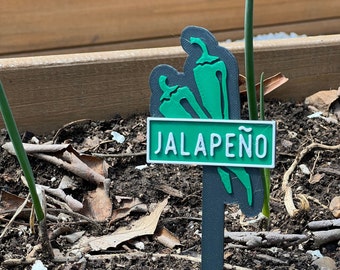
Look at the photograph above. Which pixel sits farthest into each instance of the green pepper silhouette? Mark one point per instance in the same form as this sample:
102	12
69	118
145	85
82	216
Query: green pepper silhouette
172	97
211	79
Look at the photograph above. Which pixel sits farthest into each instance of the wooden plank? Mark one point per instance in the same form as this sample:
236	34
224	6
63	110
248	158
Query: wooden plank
39	25
48	91
310	28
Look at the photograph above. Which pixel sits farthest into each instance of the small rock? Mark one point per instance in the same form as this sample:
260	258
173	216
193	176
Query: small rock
315	115
67	183
286	144
139	245
304	169
38	265
117	137
74	237
141	167
316	254
325	263
292	134
334	206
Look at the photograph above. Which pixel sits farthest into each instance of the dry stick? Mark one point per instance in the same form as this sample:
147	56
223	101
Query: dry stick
266	239
45	241
317	202
81	121
142	153
73	164
16	262
313	168
272	259
323	237
68	160
18	211
73	204
58	203
329	170
77	215
324	224
288	199
64	211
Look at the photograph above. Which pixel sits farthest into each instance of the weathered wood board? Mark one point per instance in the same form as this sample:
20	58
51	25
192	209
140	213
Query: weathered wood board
46	92
34	26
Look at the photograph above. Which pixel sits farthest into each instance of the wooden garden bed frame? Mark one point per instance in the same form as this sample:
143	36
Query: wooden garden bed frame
88	71
62	26
45	92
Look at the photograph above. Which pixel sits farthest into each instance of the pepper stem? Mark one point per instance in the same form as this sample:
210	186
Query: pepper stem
167	90
206	57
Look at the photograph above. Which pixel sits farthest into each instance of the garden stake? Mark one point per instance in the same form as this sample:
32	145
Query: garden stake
198	105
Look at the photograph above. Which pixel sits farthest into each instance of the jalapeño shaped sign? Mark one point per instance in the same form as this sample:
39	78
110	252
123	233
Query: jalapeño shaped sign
195	120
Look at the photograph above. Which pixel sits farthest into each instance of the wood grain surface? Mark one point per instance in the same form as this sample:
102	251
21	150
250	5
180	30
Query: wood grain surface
33	26
47	92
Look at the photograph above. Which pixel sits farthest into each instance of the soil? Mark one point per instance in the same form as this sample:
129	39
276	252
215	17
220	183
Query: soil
182	215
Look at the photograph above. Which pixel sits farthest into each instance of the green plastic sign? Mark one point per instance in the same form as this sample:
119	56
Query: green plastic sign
196	120
211	142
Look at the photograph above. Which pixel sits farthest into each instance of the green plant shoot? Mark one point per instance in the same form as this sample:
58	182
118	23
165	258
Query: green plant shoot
265	171
251	92
249	60
20	152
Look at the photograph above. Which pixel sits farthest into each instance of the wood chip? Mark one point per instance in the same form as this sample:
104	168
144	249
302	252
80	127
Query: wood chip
334	206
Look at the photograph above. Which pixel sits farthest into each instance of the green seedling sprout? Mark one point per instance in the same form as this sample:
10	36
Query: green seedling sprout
20	152
249	59
251	92
265	171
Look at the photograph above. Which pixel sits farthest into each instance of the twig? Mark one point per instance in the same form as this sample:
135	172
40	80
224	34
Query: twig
73	164
72	203
77	215
317	202
54	210
313	168
81	121
300	156
329	170
59	231
288	199
142	153
45	241
271	259
266	239
324	224
17	262
64	156
59	203
172	219
17	212
323	237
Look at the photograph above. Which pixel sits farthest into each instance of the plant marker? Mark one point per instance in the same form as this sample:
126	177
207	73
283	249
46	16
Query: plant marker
195	120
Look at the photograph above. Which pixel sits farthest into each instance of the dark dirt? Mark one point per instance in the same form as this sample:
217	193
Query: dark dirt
182	216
